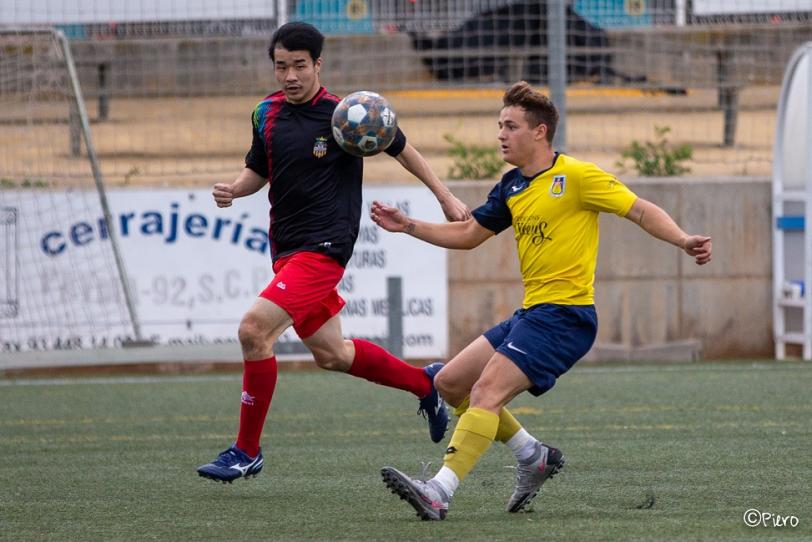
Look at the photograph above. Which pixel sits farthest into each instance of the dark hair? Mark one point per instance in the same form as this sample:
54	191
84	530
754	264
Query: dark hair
539	109
297	36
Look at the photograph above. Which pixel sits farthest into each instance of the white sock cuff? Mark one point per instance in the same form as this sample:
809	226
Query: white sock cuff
519	440
448	480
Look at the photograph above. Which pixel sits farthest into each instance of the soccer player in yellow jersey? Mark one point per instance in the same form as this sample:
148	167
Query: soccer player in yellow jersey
552	201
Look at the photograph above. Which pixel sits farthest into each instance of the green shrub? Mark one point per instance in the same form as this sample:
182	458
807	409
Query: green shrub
657	158
473	161
25	183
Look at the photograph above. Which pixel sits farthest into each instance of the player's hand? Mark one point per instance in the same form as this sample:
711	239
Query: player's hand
698	246
223	194
389	218
454	209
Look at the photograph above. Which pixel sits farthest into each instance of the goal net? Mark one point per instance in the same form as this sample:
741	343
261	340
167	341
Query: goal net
61	281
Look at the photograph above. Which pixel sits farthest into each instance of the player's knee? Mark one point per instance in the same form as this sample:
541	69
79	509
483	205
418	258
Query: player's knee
452	390
251	332
444	384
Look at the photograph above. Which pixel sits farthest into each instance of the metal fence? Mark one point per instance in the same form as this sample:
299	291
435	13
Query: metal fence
170	98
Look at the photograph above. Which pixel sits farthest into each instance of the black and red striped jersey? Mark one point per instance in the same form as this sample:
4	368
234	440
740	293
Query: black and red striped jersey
315	186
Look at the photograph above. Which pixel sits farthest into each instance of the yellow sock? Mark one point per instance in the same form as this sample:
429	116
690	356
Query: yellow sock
508	425
460	410
473	435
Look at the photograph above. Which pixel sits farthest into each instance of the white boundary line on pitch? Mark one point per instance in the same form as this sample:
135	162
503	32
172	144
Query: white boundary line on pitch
722	367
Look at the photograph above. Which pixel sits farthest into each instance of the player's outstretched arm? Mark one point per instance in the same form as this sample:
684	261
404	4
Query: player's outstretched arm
247	183
414	163
457	235
658	223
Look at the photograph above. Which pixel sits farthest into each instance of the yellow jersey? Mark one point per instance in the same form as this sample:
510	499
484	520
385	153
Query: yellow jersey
554	215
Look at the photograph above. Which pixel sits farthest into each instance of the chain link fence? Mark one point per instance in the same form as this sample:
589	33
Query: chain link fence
170	86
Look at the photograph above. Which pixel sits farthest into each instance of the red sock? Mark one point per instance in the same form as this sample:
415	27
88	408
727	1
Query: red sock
258	383
377	365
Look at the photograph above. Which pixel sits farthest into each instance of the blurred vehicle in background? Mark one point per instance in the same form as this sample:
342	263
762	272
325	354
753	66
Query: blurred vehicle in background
509	43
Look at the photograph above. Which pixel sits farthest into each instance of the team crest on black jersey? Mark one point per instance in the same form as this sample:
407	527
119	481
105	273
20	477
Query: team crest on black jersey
559	186
320	147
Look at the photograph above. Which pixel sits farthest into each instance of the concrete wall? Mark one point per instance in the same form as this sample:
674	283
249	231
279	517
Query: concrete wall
651	298
681	57
239	66
690	56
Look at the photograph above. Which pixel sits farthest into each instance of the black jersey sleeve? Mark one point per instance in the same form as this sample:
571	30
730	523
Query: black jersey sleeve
256	159
397	145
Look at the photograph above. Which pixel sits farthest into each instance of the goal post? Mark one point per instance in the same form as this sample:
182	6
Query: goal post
53	298
79	102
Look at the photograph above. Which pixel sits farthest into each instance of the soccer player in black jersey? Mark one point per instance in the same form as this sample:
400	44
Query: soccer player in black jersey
315	197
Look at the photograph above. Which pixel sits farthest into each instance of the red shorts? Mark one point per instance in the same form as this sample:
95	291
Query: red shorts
305	287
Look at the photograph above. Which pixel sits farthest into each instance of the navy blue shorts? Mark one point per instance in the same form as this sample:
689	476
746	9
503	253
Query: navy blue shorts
545	340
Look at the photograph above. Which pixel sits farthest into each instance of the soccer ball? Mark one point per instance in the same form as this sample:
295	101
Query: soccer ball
364	123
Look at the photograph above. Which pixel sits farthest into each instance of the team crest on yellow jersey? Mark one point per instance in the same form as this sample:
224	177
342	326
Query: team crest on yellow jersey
559	186
320	147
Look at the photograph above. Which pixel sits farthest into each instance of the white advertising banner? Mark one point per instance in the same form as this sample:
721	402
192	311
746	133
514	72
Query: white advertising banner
194	269
735	7
107	11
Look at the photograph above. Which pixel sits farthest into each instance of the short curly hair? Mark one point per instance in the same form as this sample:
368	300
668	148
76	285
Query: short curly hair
539	109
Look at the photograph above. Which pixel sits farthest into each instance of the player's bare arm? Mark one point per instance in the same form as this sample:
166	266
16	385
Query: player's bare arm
655	221
414	163
457	235
247	183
